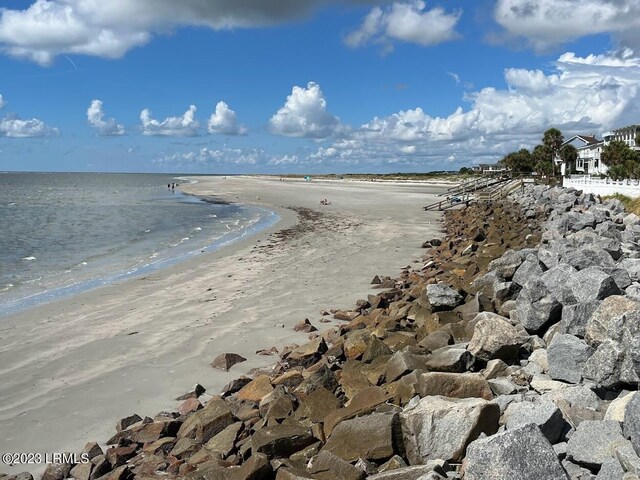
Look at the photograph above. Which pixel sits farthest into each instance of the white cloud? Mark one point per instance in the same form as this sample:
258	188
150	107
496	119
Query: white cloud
304	114
95	117
184	126
48	28
224	121
581	95
206	157
407	22
14	127
546	23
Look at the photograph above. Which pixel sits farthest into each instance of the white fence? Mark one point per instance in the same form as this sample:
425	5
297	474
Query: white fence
603	186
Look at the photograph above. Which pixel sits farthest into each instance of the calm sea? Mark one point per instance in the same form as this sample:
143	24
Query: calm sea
64	233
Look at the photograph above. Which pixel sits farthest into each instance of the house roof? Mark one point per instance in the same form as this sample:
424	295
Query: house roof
587	139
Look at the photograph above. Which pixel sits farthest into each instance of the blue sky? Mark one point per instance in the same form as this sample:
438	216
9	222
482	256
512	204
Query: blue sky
272	86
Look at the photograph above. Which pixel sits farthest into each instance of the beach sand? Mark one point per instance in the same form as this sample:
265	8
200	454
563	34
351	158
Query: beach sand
69	370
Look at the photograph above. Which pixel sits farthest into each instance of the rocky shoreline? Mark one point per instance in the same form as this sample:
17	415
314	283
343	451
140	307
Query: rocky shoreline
511	352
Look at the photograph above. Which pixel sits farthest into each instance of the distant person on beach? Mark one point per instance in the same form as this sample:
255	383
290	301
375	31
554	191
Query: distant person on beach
169	186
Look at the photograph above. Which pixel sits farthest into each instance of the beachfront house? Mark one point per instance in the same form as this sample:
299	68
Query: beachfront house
492	168
590	148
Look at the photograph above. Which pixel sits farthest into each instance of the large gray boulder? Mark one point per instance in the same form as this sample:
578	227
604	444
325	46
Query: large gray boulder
519	454
611	470
443	297
590	256
441	428
575	317
591	443
607	315
494	337
530	268
536	306
566	356
545	414
632	422
507	264
632	266
556	279
605	365
589	284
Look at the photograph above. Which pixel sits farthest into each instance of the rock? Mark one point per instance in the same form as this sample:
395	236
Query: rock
454	360
530	268
205	423
417	472
566	356
126	422
362	403
628	458
541	358
442	297
304	326
536	306
519	454
57	471
317	405
617	408
592	441
194	393
225	361
281	441
589	256
611	470
381	431
575	317
494	337
402	363
255	468
375	348
632	422
256	389
605	365
82	471
502	386
327	466
605	317
189	405
576	472
118	456
235	385
438	339
507	264
545	414
441	428
307	354
454	385
290	378
224	442
590	284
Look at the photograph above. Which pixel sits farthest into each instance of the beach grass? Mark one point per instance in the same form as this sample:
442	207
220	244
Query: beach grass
631	205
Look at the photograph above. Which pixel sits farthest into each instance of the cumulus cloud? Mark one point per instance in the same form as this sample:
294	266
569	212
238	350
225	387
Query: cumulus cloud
184	126
407	22
581	95
110	28
13	126
108	127
546	23
224	121
304	114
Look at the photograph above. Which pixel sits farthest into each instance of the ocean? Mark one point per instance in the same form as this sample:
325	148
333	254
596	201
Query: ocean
65	233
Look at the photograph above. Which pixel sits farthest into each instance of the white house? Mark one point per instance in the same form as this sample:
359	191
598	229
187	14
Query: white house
626	134
589	149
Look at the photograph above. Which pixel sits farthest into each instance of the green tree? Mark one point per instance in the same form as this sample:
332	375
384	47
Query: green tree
465	170
569	154
553	140
541	158
622	161
519	161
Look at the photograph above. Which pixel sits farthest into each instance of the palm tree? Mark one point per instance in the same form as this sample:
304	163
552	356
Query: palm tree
553	140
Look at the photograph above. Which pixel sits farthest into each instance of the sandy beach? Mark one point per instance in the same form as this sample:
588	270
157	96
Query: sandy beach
69	370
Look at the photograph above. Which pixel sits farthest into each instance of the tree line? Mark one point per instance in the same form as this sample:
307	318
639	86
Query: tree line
622	161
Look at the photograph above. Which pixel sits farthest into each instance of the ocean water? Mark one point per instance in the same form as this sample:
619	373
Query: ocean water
64	233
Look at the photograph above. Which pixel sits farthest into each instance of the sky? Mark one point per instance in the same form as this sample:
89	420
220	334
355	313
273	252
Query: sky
307	86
